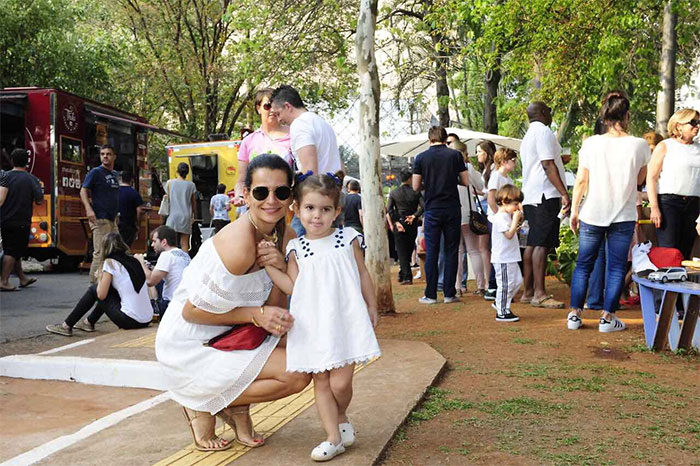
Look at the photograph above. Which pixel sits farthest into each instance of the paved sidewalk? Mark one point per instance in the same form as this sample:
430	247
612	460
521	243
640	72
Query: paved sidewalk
107	421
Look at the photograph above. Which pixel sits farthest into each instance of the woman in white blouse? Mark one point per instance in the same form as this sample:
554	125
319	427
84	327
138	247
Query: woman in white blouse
673	182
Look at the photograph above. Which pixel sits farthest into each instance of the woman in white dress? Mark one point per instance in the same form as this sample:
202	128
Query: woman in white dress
224	285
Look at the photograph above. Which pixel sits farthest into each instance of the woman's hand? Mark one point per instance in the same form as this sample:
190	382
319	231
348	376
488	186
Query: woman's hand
574	221
275	320
655	216
269	255
373	317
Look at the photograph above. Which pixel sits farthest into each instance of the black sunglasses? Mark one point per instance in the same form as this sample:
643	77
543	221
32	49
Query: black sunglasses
282	193
267	106
693	122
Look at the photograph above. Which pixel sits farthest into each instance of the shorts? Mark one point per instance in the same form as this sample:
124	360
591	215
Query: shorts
15	238
543	222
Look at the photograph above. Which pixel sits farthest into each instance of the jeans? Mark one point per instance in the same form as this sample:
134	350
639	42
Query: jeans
441	263
297	226
618	237
678	214
111	306
405	243
439	222
596	282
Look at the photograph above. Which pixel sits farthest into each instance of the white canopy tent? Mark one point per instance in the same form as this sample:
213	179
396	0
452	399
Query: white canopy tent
410	146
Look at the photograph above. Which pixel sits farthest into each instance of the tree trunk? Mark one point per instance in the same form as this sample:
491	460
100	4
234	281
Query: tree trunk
667	71
491	80
441	88
377	256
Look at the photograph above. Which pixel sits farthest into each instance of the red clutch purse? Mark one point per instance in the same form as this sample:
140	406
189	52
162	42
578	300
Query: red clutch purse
240	337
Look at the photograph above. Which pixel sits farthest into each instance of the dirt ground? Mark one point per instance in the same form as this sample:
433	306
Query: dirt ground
533	392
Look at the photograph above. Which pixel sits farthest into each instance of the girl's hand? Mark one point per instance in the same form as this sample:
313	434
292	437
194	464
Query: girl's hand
574	221
655	216
275	320
269	255
373	317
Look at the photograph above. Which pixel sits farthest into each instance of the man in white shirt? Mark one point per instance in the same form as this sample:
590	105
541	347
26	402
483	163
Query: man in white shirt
313	142
171	262
545	197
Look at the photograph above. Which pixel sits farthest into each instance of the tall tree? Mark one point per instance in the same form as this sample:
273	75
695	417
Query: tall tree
667	69
377	258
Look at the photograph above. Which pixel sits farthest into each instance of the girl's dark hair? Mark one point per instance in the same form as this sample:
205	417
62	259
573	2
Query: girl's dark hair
615	108
112	243
323	184
273	162
489	149
183	169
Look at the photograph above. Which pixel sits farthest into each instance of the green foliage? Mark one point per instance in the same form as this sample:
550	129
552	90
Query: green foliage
562	262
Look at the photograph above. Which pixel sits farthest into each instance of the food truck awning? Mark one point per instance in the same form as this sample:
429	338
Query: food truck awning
153	128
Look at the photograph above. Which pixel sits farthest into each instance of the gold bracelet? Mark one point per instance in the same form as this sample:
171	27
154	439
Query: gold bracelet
262	310
255	322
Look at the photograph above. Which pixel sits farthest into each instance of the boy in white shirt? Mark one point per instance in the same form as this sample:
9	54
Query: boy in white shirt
505	250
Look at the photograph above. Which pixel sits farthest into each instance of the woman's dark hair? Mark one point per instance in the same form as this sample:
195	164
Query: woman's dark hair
261	94
489	149
272	162
112	243
323	184
183	169
405	175
615	109
221	188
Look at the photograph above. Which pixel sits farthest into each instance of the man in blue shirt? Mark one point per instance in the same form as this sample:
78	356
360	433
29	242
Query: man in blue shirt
439	169
100	197
130	209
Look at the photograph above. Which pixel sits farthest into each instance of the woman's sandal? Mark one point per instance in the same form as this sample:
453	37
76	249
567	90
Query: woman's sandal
227	415
212	437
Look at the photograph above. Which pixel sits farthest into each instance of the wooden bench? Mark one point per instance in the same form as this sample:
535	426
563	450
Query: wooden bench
664	327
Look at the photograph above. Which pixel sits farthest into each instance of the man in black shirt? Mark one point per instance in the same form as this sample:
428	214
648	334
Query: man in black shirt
130	209
404	207
439	169
352	208
17	191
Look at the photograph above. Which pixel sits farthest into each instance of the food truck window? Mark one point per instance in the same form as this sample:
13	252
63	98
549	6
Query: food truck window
11	130
205	175
71	150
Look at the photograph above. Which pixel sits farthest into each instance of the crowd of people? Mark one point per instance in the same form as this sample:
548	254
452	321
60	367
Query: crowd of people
262	309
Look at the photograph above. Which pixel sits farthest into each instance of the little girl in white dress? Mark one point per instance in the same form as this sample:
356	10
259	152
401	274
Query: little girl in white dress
333	305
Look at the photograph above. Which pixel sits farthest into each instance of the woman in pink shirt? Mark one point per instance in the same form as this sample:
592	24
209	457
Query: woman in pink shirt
270	138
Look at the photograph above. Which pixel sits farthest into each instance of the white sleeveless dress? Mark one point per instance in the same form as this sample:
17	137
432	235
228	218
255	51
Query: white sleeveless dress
200	377
331	325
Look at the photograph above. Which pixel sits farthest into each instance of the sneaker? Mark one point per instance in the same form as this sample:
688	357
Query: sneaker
60	330
85	326
490	295
507	317
426	300
573	321
417	276
453	299
612	325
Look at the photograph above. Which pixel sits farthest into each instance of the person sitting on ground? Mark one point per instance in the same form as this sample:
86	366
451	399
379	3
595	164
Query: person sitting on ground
505	249
18	189
171	262
219	207
120	292
352	208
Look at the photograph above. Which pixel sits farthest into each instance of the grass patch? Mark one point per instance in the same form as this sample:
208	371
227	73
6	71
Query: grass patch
534	370
568	441
437	402
637	348
524	341
523	406
572	384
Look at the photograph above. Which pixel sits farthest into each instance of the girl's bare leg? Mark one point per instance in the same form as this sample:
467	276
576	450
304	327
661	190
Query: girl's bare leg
327	406
341	387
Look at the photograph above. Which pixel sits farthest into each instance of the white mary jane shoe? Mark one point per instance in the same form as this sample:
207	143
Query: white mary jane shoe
347	434
326	451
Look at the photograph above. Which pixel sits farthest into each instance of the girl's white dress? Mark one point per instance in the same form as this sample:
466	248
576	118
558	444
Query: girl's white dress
200	377
331	325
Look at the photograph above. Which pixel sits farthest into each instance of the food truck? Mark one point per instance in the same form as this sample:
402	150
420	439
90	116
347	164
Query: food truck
210	163
63	133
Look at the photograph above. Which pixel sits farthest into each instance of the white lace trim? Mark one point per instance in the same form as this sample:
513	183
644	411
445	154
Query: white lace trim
247	377
316	370
233	299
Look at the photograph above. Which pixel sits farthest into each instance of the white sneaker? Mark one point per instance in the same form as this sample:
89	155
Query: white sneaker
453	299
426	300
347	434
326	451
612	325
573	321
417	275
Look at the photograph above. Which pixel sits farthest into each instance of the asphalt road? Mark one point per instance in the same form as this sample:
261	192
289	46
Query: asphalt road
26	313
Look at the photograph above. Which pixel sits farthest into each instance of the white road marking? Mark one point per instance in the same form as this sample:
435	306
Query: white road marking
65	347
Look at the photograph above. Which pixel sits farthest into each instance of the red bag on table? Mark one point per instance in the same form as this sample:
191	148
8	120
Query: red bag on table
665	257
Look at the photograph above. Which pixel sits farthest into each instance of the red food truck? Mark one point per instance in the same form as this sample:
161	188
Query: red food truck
63	134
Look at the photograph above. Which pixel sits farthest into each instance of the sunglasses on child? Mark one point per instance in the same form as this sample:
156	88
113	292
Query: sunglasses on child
282	193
